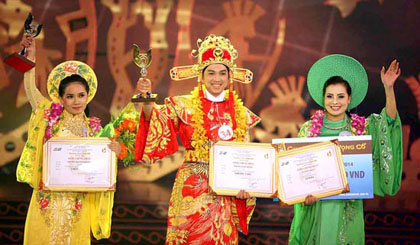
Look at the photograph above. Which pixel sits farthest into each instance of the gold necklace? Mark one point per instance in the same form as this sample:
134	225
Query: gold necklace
76	124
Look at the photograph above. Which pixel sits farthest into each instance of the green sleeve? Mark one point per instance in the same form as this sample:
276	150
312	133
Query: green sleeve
128	112
107	131
305	129
387	153
305	218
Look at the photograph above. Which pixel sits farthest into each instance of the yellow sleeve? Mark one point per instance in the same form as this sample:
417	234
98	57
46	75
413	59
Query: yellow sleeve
100	209
30	162
34	96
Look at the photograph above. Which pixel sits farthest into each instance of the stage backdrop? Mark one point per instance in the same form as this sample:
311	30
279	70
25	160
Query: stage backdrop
277	40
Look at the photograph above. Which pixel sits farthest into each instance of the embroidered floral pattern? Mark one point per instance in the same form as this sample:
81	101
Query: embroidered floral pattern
349	211
43	203
176	236
78	205
61	210
54	114
62	216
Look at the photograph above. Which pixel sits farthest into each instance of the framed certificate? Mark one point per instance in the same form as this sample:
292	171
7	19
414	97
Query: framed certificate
238	166
78	164
315	169
357	157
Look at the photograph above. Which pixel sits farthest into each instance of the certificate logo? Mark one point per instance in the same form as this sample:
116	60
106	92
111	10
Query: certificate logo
222	152
104	150
57	149
329	154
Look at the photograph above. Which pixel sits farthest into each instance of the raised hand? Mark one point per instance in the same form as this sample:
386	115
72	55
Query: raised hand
144	85
388	78
28	43
390	75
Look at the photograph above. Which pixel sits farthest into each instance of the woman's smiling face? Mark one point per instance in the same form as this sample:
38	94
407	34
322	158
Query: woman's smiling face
336	101
75	98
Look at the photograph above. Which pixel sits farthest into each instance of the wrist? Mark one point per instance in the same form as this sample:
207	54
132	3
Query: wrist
389	87
31	57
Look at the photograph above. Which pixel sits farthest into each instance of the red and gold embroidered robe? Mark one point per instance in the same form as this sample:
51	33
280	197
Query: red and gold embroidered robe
195	216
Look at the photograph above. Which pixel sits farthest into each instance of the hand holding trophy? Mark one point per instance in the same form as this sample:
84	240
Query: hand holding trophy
18	60
144	85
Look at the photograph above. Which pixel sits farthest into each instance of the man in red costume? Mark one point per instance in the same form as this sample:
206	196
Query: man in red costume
212	112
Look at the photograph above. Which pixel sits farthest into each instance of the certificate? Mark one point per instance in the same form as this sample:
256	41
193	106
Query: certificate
357	157
315	169
238	166
78	164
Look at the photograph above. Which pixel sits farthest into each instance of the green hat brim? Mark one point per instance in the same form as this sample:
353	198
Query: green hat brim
338	65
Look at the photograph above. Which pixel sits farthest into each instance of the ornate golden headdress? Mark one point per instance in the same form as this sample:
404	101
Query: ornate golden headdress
69	68
213	50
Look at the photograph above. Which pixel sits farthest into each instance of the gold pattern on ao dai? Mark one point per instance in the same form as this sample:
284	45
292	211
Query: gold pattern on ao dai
62	213
73	125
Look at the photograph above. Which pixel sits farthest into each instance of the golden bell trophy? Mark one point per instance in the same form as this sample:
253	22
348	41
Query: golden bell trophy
18	60
143	60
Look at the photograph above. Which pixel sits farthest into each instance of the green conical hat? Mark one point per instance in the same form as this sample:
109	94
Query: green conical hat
338	65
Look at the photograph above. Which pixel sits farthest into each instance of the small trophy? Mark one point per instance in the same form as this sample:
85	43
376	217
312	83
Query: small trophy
142	59
18	60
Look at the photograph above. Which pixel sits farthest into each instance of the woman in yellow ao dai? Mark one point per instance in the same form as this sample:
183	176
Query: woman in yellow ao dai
61	217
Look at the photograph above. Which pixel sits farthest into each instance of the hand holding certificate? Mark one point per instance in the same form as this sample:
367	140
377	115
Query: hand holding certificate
78	164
